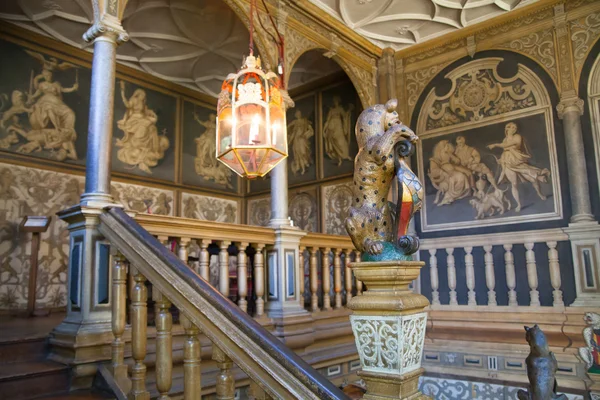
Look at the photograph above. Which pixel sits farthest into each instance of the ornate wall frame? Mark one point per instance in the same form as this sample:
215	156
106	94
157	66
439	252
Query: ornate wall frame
593	99
479	97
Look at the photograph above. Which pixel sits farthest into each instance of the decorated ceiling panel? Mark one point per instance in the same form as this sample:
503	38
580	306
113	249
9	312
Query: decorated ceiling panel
402	23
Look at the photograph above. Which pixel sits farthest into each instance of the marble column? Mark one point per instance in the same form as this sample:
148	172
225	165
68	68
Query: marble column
83	338
570	110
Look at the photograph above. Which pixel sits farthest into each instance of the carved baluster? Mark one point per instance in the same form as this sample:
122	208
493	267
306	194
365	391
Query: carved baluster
242	272
314	280
224	268
359	284
164	240
182	252
337	277
139	323
119	308
532	277
435	280
204	259
451	271
192	386
301	274
259	279
348	275
555	274
490	278
164	344
225	385
511	278
325	278
470	272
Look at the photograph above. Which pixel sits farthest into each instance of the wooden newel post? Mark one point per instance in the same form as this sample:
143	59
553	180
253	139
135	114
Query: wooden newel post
36	225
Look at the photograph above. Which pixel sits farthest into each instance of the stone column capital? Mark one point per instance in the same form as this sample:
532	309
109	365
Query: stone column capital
109	31
108	15
570	104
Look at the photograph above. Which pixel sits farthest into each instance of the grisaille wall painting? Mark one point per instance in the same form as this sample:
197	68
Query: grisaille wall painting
321	141
144	132
302	141
209	208
303	209
340	109
200	164
259	211
43	105
487	153
336	200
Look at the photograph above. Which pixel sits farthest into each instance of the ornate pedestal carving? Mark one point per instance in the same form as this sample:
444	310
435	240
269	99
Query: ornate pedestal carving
389	325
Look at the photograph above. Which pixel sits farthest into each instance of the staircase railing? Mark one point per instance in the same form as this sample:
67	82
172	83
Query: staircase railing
235	336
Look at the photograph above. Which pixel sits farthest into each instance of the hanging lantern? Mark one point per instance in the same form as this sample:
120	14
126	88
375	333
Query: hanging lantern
251	127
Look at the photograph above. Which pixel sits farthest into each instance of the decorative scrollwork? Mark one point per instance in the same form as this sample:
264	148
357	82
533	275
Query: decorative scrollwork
584	33
539	46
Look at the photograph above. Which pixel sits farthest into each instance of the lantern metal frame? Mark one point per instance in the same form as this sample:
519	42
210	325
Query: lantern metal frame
235	94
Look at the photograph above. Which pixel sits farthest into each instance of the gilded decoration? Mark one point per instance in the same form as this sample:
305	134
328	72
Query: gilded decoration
259	211
487	153
416	82
143	199
539	46
208	208
31	191
584	33
511	26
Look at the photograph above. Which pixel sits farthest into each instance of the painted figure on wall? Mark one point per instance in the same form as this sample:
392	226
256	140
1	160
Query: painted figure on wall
300	131
451	180
205	162
337	130
514	162
141	146
51	121
470	158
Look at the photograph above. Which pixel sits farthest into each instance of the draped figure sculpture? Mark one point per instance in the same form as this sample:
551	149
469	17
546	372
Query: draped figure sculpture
141	146
300	131
337	130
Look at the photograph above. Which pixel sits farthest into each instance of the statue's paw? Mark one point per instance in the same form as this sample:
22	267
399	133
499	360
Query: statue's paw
373	248
523	395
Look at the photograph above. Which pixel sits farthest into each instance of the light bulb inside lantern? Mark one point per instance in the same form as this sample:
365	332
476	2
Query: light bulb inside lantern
254	128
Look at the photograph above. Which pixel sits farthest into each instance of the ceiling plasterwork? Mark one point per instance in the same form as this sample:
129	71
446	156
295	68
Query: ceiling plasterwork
189	42
402	23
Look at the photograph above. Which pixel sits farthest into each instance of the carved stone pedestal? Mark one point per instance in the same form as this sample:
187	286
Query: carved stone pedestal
389	325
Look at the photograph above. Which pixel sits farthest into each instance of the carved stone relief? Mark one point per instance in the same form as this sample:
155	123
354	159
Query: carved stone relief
208	208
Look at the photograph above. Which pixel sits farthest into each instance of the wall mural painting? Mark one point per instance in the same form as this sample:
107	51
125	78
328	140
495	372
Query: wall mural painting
303	209
144	132
208	208
43	107
259	211
30	191
302	141
339	112
336	203
143	199
487	153
200	164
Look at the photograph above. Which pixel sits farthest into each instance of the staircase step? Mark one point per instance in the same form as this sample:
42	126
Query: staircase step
13	351
78	395
31	379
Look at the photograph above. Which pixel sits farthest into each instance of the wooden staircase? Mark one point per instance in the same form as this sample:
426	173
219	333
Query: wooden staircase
25	373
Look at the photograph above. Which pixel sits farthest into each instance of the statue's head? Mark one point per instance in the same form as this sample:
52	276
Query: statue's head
375	121
47	74
536	339
510	128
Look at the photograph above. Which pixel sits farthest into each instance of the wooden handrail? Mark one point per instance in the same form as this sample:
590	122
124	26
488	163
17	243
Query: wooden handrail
265	359
160	225
323	240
